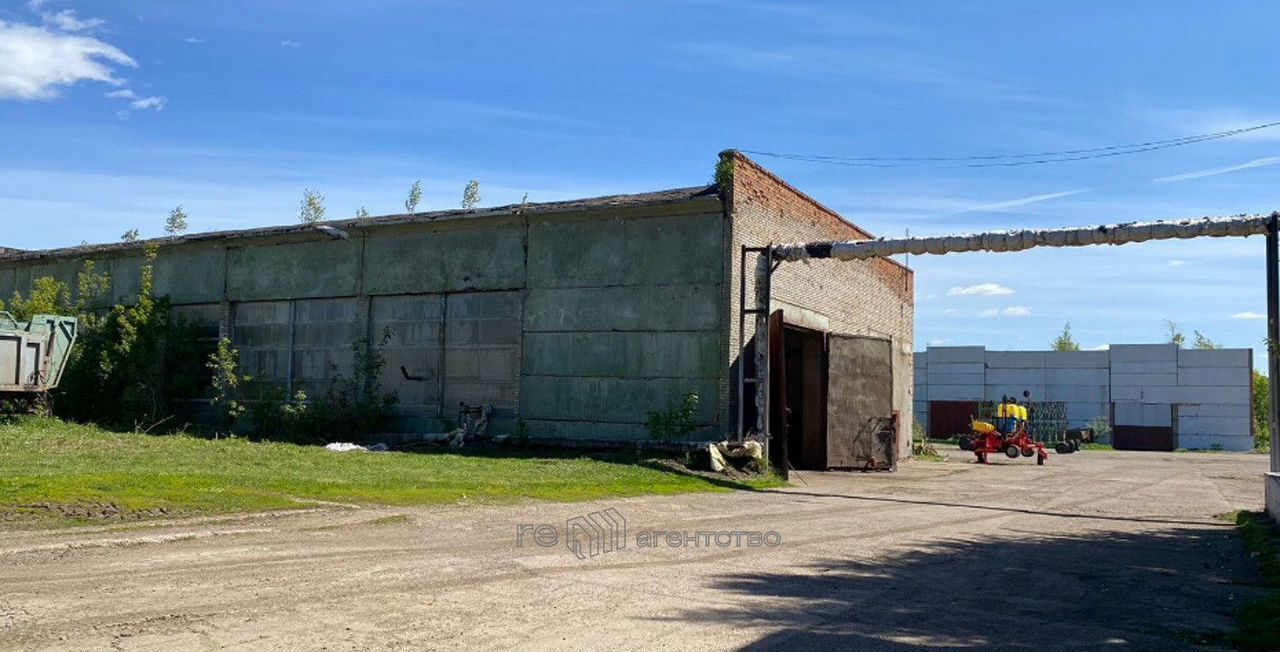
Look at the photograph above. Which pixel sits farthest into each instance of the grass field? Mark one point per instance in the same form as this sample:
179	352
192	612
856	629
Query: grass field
60	472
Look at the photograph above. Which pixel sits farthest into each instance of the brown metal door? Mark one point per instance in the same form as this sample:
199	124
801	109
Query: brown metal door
860	402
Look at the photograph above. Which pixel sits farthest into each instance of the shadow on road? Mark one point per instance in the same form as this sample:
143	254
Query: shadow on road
1157	590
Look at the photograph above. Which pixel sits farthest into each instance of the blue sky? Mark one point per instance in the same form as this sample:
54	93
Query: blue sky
112	113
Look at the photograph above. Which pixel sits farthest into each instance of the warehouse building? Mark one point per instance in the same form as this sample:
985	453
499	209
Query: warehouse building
1154	396
576	318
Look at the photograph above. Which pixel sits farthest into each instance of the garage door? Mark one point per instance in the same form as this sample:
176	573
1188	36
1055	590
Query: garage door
860	402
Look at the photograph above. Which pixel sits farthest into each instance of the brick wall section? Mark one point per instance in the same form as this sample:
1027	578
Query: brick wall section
872	297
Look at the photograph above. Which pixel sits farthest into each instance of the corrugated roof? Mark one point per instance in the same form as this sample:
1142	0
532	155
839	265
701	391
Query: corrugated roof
655	198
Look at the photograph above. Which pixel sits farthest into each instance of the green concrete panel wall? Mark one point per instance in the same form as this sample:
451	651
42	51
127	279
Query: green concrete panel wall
633	251
8	280
626	355
623	318
448	259
299	270
191	275
642	308
126	277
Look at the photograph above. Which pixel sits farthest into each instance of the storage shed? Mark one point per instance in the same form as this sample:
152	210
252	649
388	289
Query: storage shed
578	318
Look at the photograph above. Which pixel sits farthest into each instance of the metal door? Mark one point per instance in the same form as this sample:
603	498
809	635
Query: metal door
860	421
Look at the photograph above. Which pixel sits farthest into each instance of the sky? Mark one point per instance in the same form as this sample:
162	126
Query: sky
113	113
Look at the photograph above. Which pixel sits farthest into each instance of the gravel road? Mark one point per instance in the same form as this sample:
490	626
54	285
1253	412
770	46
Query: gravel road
1094	549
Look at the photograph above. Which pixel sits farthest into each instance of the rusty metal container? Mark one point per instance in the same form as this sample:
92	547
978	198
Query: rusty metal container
34	354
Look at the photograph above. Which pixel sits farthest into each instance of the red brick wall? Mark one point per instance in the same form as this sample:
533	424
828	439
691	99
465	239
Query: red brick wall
872	297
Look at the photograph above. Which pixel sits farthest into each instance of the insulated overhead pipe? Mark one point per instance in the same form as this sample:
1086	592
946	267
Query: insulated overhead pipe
998	241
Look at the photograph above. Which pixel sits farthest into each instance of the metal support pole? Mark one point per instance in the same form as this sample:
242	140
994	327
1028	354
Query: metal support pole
1273	335
764	272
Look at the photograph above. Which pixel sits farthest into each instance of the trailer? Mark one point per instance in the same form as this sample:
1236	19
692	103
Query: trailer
34	354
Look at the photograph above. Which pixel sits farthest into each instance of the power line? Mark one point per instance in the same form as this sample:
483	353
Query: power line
1013	160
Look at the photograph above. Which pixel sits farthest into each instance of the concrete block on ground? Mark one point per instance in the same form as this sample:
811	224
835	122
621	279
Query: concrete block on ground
1214	376
1077	359
1016	359
1143	353
956	354
1238	358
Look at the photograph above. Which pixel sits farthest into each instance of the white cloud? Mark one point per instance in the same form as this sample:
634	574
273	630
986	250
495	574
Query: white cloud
1248	315
136	102
1011	311
192	39
1177	263
289	44
67	21
1022	201
1100	347
35	5
983	289
942	342
35	62
1212	172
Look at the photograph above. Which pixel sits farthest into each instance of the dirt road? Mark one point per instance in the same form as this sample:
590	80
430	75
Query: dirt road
1115	549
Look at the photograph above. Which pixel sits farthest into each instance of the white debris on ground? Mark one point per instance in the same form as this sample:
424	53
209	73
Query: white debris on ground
347	447
720	452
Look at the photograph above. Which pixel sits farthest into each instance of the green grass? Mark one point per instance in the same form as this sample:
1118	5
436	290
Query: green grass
1258	621
1096	446
50	470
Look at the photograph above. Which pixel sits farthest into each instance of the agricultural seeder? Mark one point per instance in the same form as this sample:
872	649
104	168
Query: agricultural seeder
1007	434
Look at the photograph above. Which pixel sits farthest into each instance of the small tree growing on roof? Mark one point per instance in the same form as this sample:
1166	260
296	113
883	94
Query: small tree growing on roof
415	196
1065	342
130	236
471	195
176	223
311	208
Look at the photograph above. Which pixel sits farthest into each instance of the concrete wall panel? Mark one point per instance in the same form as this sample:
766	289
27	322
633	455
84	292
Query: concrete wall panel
191	275
324	268
956	354
615	400
966	392
1077	359
1016	359
1143	414
1010	376
1143	353
1143	380
1214	358
632	251
445	260
957	368
624	354
1214	376
1145	367
1209	442
664	308
1076	376
973	380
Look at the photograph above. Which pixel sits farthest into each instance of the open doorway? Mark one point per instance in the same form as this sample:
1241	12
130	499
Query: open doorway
804	354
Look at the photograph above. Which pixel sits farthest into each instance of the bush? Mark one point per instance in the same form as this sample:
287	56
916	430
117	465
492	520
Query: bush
677	421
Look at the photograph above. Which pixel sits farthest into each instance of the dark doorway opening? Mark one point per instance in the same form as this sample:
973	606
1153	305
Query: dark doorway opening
805	361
